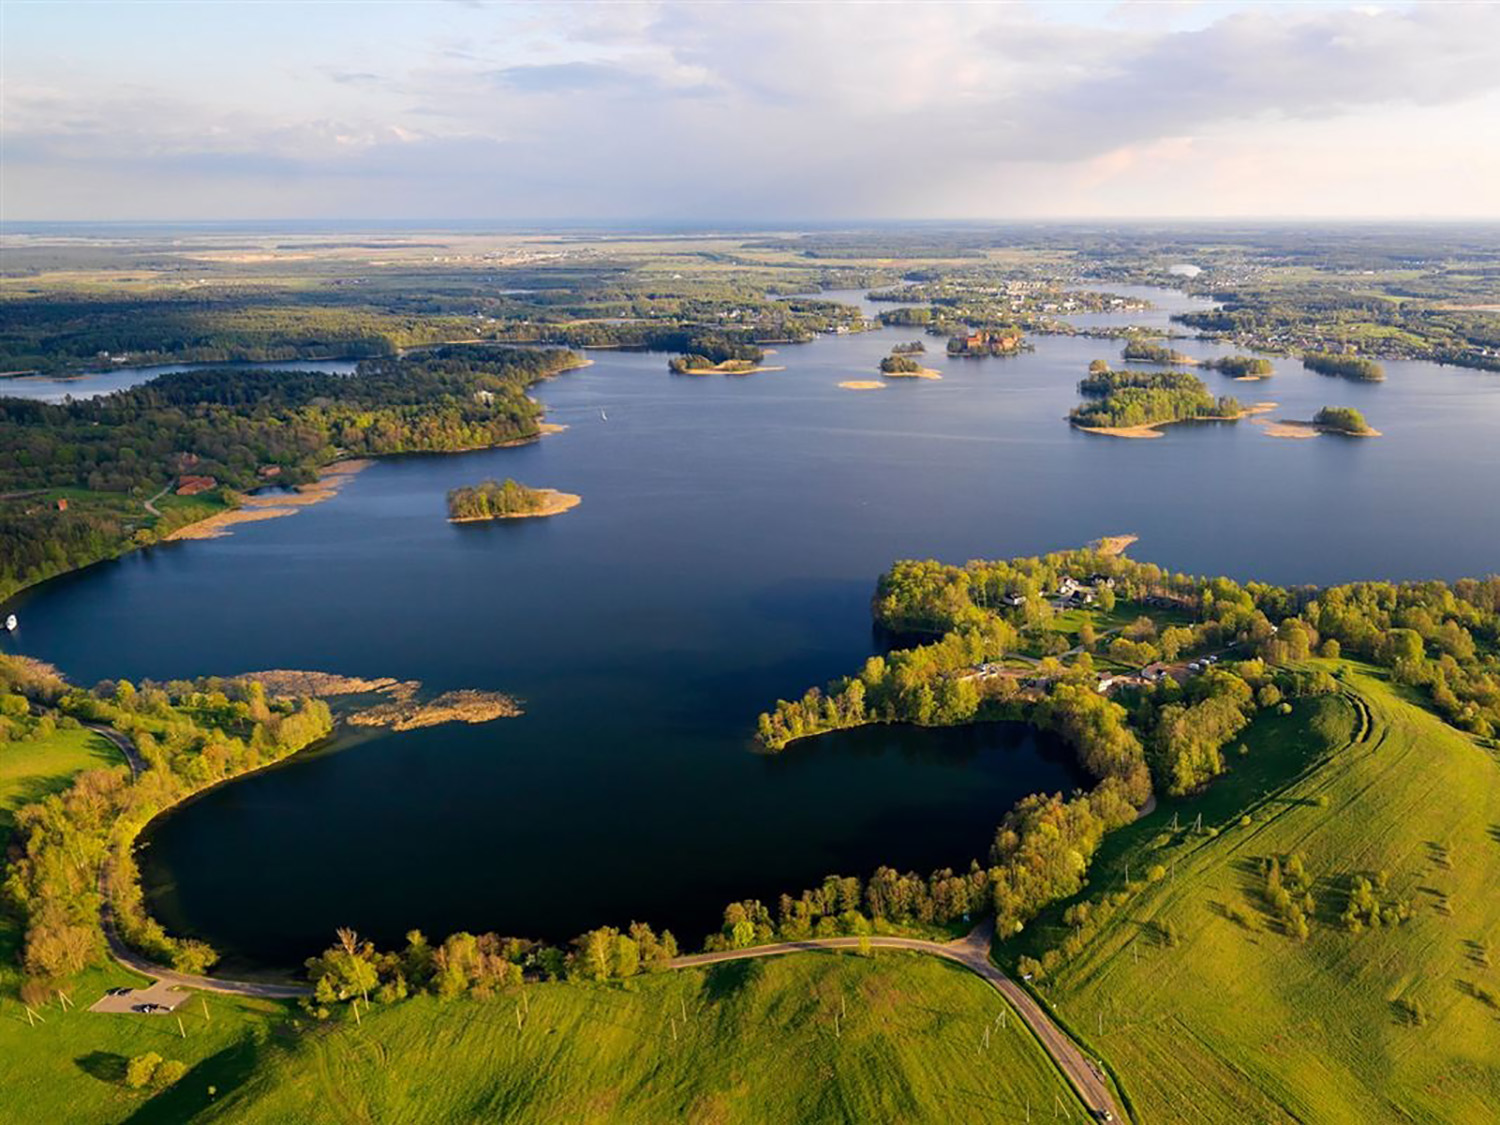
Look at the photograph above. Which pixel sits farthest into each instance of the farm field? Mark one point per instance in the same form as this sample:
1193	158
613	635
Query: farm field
1209	1011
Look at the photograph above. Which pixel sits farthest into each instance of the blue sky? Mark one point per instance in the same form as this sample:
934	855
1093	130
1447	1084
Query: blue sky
702	111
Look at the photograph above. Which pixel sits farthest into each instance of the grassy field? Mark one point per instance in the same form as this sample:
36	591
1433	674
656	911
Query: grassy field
70	1067
31	770
811	1037
1231	1019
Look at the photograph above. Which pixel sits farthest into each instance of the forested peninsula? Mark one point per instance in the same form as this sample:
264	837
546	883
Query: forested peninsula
87	480
1187	664
1346	366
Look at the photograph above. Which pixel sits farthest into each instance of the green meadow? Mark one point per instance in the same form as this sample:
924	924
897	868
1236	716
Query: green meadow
1210	1010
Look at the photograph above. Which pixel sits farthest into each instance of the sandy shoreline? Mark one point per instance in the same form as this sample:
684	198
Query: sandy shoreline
719	369
920	373
1153	429
862	385
553	503
1295	428
272	505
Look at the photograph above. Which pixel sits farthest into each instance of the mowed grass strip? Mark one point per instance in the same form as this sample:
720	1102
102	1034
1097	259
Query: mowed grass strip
1238	1020
807	1037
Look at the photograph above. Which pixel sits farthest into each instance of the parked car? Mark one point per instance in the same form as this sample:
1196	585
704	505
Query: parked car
118	991
147	1008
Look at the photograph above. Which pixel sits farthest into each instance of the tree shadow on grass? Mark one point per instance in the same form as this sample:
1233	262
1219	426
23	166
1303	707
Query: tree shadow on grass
103	1065
726	980
224	1072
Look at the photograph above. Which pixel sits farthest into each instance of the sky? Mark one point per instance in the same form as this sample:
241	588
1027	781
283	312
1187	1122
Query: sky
767	112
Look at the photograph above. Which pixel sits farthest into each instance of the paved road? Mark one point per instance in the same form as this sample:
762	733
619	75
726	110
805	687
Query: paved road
127	748
972	952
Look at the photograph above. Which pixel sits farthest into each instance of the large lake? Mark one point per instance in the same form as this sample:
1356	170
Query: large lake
729	537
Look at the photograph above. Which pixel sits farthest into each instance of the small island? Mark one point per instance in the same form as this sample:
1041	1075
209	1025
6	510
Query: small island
1242	367
716	355
1139	351
1344	421
506	500
1134	403
702	365
990	341
903	366
1346	366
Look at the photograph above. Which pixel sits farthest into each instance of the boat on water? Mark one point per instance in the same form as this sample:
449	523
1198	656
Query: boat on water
11	623
603	417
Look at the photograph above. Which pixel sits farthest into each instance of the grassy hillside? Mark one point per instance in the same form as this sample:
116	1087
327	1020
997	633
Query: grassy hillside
759	1044
1211	1011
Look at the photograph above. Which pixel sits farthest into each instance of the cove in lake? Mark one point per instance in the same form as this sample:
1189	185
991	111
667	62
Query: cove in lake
571	834
724	554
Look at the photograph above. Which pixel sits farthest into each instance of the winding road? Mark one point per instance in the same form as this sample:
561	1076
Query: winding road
971	951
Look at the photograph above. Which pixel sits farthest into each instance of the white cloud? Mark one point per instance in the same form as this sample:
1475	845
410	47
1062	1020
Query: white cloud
797	111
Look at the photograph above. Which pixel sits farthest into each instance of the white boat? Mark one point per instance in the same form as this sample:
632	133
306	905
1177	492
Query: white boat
11	623
603	417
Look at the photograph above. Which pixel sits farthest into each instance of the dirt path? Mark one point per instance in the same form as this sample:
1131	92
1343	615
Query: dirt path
972	952
150	504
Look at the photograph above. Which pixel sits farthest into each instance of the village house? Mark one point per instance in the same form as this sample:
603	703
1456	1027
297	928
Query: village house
192	485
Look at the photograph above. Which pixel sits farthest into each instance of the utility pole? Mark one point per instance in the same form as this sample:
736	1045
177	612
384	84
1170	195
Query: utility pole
204	1002
180	1029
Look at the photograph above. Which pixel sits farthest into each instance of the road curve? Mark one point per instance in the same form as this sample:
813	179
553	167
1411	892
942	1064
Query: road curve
127	748
972	952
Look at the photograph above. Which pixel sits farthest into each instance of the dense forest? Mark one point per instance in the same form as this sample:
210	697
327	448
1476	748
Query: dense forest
1240	366
1122	399
1347	366
493	500
1142	351
899	364
241	429
1341	419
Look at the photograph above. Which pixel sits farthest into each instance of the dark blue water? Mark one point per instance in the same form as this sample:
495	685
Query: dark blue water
730	533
